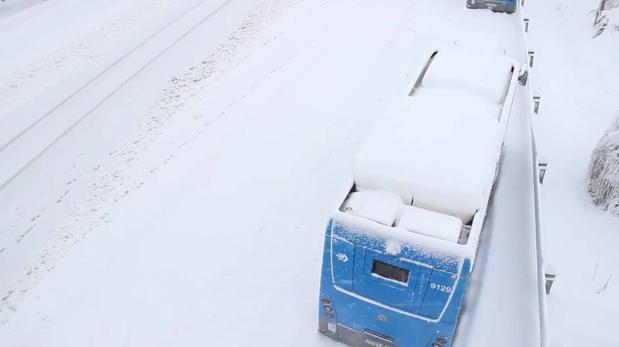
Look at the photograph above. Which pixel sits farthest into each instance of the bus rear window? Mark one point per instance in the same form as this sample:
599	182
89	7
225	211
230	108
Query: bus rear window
390	272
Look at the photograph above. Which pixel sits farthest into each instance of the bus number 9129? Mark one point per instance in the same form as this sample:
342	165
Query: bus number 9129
439	287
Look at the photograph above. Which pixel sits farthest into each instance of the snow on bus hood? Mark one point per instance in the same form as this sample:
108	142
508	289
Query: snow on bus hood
435	149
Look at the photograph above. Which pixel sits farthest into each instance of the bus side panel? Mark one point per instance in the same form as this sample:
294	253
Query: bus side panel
453	310
327	319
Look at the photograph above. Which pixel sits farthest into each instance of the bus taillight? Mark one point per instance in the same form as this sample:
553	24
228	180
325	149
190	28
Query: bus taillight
440	341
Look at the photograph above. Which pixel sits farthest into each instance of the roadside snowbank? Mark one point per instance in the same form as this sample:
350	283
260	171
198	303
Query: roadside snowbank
10	8
604	171
81	39
576	77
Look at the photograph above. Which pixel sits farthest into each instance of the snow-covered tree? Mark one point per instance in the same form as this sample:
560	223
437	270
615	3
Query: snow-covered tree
604	171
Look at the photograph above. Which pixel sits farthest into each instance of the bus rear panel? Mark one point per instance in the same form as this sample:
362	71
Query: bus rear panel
374	293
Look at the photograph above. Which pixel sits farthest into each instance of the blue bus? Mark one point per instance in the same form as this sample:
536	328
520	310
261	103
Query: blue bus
507	6
401	242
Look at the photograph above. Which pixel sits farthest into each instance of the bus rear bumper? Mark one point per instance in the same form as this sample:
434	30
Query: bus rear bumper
353	337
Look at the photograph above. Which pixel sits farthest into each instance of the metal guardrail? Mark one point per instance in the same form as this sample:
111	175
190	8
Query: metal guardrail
534	109
541	267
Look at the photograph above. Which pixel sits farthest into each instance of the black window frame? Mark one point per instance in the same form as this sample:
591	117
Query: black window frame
390	272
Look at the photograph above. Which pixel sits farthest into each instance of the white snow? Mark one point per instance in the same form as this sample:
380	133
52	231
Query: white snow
477	75
438	150
386	208
576	77
80	40
603	175
190	205
12	8
380	206
503	285
430	223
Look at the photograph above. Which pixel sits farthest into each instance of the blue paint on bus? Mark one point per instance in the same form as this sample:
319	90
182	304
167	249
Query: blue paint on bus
508	6
369	297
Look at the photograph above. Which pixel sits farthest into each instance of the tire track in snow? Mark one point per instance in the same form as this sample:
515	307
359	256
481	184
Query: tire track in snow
117	174
80	119
69	58
17	82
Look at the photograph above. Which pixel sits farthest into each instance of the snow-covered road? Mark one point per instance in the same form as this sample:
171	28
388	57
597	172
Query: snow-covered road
502	304
23	140
189	206
76	171
81	40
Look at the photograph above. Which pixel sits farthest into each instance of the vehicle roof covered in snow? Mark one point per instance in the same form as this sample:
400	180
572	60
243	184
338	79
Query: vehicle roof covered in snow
483	76
439	148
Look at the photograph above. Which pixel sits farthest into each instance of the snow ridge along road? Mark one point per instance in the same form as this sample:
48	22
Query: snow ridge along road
22	150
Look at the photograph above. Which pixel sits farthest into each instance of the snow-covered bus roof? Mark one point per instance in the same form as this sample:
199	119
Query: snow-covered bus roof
486	77
438	149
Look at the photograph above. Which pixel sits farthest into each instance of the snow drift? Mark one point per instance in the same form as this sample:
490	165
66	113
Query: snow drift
604	171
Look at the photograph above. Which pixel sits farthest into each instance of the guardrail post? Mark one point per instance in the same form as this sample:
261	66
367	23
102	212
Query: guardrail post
550	280
536	101
542	167
523	78
545	275
526	24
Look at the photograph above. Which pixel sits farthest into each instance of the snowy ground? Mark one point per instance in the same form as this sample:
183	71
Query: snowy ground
188	200
506	265
12	7
577	79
